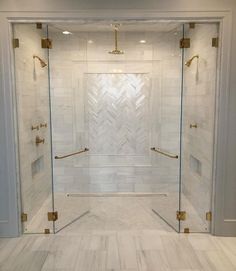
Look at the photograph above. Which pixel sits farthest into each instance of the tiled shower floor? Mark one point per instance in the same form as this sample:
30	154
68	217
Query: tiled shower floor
111	213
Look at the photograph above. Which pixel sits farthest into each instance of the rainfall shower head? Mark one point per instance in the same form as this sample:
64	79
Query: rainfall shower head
116	51
42	62
189	62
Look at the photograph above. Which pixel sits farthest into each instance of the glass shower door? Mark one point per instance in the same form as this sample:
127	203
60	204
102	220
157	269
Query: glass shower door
165	149
33	118
69	128
198	125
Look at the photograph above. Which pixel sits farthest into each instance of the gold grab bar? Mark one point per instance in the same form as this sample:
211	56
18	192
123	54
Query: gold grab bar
165	153
71	154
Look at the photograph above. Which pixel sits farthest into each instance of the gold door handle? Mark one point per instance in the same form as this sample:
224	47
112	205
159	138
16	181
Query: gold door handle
39	140
193	126
71	154
165	153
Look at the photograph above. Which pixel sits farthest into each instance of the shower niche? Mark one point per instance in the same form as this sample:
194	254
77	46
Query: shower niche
117	123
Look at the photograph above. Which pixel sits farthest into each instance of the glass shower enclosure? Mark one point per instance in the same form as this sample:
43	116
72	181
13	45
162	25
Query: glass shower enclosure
94	125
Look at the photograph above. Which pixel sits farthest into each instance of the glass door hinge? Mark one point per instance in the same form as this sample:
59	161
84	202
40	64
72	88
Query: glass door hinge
39	25
16	43
184	43
192	25
186	230
52	216
215	42
46	43
209	216
24	217
181	215
46	231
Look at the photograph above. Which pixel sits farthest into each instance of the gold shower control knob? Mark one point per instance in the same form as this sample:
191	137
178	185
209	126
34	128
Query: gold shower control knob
45	125
35	127
193	126
39	140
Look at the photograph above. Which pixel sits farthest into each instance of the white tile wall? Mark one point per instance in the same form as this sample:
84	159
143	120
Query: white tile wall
71	59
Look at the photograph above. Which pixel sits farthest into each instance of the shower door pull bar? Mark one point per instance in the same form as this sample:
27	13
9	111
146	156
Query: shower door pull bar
165	153
71	154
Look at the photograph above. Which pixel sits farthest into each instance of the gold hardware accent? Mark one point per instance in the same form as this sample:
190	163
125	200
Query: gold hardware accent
116	51
47	231
52	216
39	140
39	25
215	42
165	153
192	25
184	43
189	62
35	127
45	125
42	62
209	216
181	215
186	230
24	217
193	126
71	154
16	43
46	43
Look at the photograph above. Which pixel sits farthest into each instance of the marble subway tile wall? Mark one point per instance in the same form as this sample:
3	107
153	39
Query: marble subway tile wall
199	108
32	93
78	62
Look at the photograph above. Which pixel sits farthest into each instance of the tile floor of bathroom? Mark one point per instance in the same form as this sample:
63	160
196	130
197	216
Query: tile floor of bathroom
118	241
144	250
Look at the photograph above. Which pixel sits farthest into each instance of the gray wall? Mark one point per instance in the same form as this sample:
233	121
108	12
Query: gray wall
227	187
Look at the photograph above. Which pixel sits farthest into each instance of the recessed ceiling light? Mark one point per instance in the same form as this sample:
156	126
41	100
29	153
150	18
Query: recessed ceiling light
66	32
90	41
142	41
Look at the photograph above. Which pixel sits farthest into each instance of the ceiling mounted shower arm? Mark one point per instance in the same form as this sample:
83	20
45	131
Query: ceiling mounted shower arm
116	51
116	39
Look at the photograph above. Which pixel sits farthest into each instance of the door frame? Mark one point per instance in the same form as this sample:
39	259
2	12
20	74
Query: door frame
11	226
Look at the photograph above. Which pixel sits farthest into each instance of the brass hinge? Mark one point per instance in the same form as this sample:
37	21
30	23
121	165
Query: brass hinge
215	42
46	43
39	25
181	215
209	216
184	43
16	43
186	230
192	25
46	231
52	216
24	217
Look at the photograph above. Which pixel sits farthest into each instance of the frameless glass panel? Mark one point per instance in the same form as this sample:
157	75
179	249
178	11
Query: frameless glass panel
166	126
68	63
198	124
31	72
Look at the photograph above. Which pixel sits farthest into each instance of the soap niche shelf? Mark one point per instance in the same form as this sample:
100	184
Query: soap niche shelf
37	166
195	165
